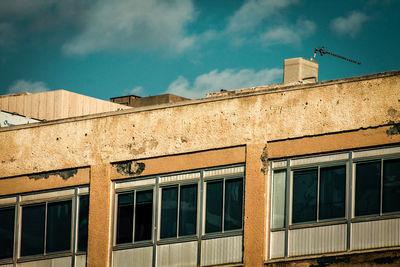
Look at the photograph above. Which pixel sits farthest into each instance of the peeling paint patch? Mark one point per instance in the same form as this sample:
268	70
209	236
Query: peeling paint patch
130	168
264	161
65	174
395	129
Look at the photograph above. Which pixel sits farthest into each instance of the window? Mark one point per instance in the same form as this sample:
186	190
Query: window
178	211
319	194
83	221
278	199
7	232
224	204
46	228
377	187
135	216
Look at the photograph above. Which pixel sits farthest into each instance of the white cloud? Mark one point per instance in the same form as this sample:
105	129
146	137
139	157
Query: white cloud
226	79
291	34
349	25
253	12
135	24
135	91
20	86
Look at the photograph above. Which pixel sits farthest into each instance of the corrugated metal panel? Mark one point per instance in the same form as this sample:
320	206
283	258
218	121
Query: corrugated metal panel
80	261
178	254
136	257
315	240
55	194
375	234
221	250
277	245
304	161
376	152
9	200
58	262
221	172
279	164
180	177
135	183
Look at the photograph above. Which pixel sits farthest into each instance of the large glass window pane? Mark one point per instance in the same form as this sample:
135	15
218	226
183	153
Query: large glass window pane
6	232
214	197
188	210
58	236
169	212
32	230
125	218
368	189
144	215
332	192
305	196
233	204
278	199
391	186
83	222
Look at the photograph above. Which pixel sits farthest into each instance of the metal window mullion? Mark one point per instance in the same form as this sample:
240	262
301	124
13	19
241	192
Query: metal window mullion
45	229
349	199
17	230
318	190
381	196
223	206
287	207
178	210
200	214
75	226
156	210
134	215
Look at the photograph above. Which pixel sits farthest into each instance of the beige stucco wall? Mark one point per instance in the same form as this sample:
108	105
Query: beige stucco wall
205	124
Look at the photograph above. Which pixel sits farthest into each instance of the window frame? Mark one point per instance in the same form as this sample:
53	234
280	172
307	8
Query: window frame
381	214
223	232
318	166
21	200
177	237
134	190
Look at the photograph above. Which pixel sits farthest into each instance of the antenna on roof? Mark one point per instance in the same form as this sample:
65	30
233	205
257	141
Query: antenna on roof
322	51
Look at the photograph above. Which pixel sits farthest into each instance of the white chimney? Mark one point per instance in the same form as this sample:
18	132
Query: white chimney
300	69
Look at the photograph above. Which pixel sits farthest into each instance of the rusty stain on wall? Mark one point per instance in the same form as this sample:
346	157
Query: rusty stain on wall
395	129
264	161
65	174
130	168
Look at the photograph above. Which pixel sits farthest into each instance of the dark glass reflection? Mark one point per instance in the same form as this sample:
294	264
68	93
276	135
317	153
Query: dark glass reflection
144	215
6	232
125	218
169	212
305	196
58	236
214	197
332	192
368	189
83	222
233	204
188	210
391	186
32	230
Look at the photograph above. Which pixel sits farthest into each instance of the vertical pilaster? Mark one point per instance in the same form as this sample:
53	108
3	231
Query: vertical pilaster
255	205
99	232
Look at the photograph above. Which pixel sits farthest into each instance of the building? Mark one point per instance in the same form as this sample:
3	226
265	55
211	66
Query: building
303	173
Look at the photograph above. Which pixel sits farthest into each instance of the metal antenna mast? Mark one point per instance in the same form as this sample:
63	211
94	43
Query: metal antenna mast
322	51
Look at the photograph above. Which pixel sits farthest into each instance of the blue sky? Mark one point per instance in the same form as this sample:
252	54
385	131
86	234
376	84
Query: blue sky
105	48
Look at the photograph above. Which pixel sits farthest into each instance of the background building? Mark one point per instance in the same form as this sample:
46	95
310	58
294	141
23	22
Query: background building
303	173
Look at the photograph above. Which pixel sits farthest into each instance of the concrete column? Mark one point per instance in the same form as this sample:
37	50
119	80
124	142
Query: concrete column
255	205
99	236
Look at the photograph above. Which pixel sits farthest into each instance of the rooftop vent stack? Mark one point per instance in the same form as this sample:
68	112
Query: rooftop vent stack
300	69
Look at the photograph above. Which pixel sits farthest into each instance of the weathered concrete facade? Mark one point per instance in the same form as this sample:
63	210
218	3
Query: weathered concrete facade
250	127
